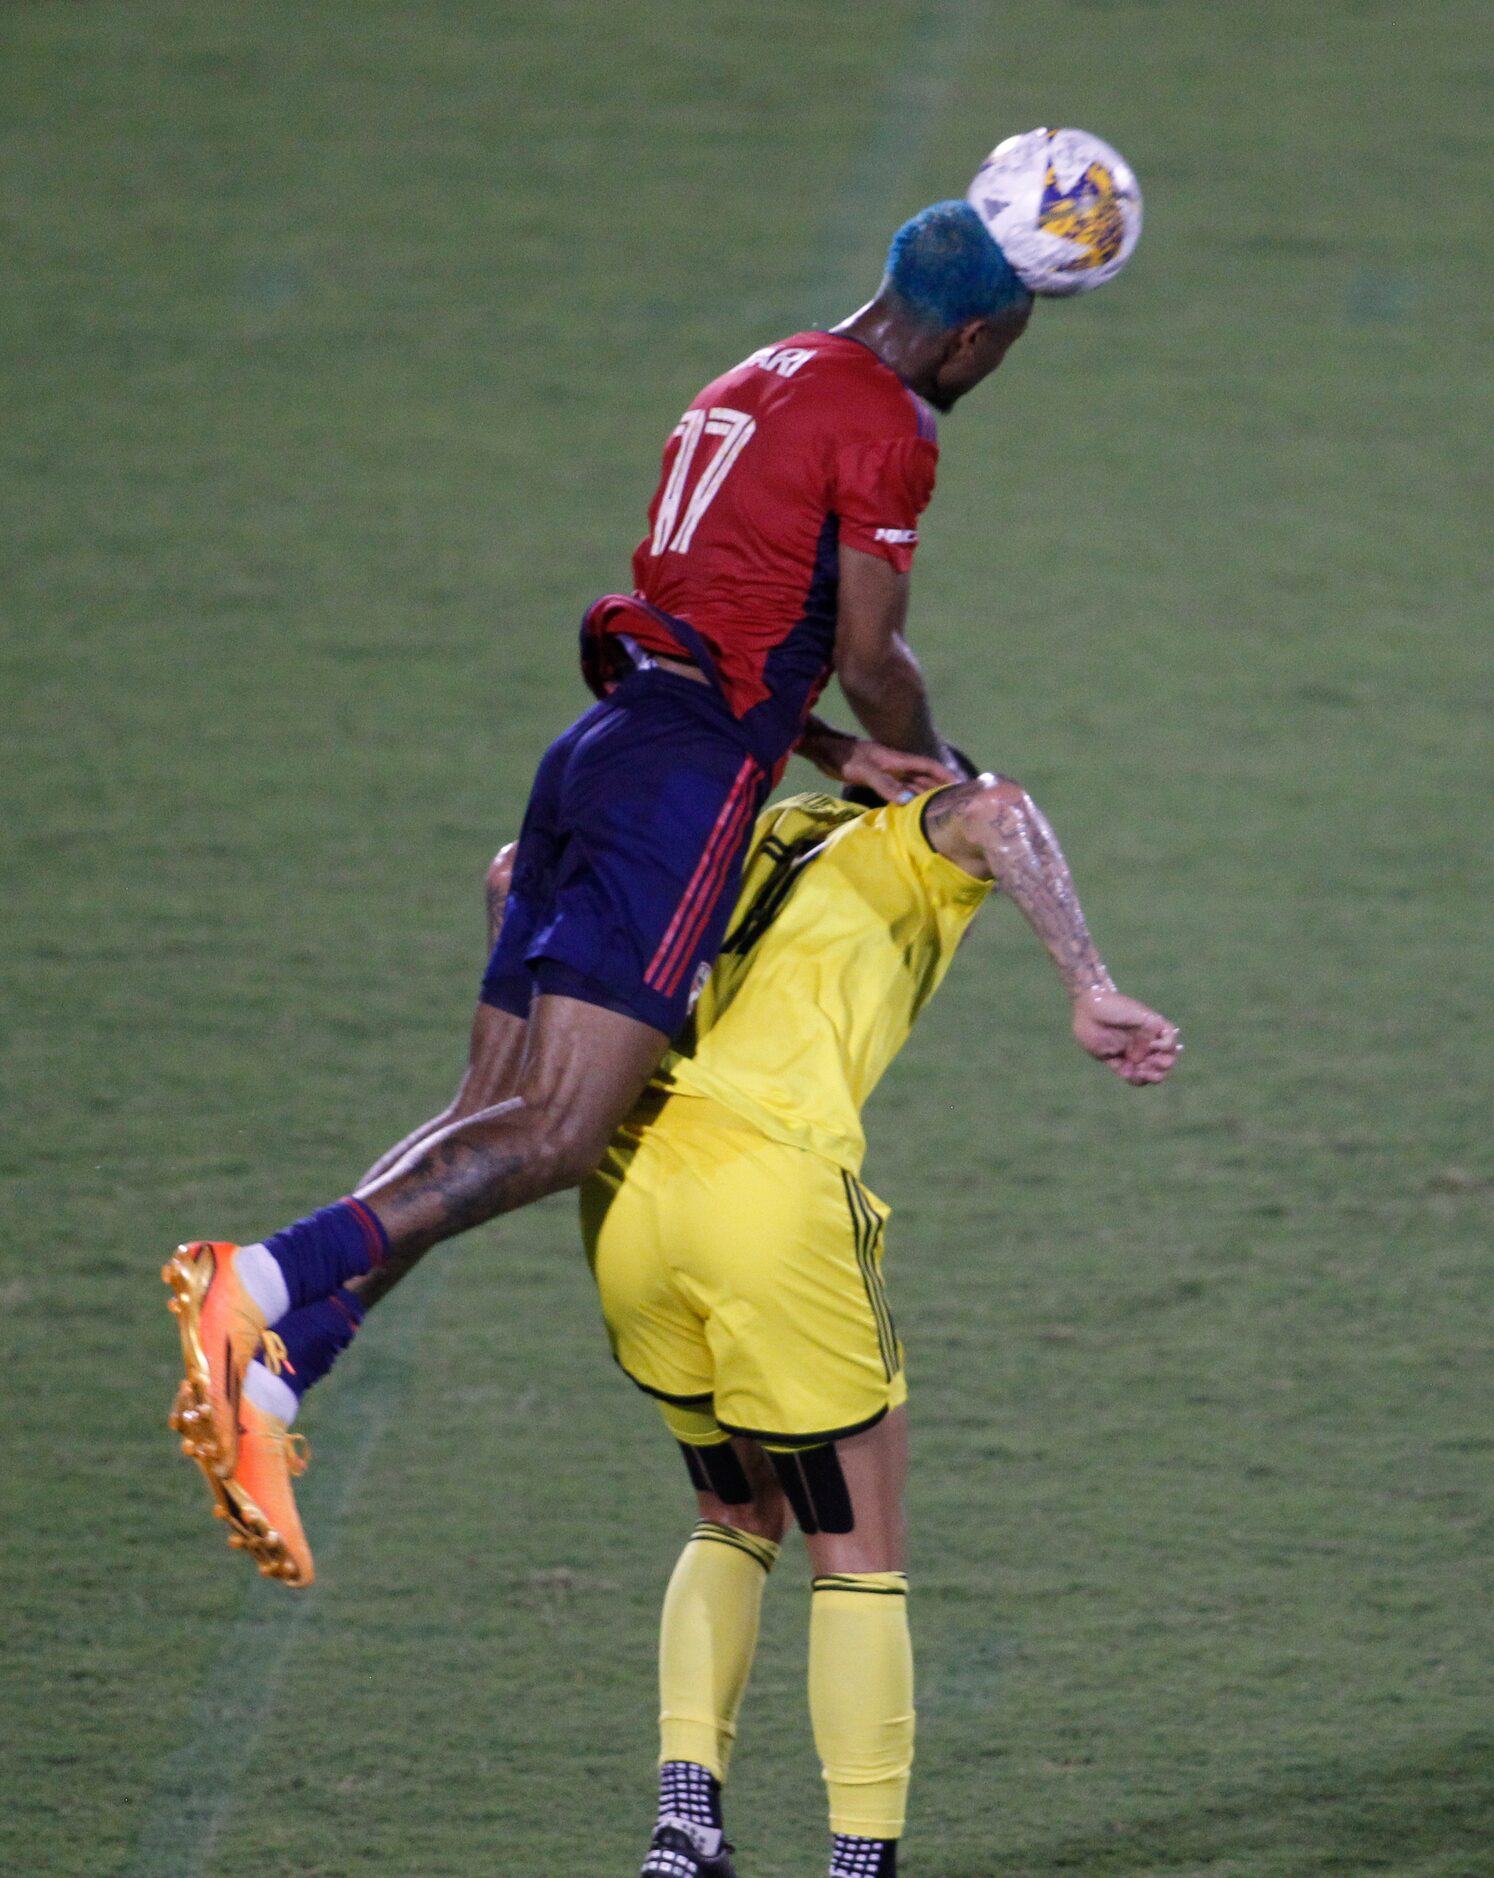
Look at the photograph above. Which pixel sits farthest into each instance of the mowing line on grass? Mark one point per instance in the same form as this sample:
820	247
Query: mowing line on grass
852	244
198	1785
196	1793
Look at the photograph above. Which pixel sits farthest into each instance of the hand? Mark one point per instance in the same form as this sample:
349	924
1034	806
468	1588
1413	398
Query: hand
1137	1043
895	775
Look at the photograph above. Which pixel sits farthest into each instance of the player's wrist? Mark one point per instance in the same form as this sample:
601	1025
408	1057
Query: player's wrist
826	747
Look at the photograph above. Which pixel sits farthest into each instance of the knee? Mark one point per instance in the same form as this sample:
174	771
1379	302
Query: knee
565	1151
496	885
767	1518
765	1515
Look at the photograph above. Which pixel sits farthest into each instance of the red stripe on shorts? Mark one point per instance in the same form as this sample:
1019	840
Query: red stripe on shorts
713	861
691	937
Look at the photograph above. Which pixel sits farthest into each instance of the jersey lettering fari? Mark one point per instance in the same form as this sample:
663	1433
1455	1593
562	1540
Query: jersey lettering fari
804	448
843	930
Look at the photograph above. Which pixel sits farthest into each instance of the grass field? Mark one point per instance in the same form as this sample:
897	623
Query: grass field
337	346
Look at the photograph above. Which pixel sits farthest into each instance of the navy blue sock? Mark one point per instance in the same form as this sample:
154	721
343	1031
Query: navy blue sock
318	1254
315	1336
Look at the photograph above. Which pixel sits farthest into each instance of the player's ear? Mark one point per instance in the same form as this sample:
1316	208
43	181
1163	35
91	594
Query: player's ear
964	339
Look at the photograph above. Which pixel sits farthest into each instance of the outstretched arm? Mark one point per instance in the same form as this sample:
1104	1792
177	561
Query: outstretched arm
994	830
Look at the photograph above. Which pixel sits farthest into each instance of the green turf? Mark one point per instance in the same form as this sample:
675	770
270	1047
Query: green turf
337	346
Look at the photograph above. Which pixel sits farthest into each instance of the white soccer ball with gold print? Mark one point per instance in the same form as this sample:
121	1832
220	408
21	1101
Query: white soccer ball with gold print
1064	207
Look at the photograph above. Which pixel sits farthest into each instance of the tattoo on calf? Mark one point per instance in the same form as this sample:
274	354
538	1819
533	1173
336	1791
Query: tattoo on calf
453	1186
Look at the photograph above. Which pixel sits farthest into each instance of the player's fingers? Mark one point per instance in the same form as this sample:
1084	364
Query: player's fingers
916	774
889	787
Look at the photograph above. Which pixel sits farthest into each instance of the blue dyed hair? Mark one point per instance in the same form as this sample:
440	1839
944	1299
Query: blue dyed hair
946	268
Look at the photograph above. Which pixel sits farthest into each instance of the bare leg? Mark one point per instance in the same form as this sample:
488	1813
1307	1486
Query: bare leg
494	1059
494	1062
766	1514
876	1469
583	1068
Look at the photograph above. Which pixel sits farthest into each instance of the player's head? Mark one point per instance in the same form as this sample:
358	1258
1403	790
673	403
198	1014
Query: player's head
949	282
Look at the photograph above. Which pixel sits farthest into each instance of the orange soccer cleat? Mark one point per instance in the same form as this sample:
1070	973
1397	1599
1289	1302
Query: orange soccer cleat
258	1501
221	1327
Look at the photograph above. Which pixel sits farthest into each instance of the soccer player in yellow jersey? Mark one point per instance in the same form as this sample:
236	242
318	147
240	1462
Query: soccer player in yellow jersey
739	1261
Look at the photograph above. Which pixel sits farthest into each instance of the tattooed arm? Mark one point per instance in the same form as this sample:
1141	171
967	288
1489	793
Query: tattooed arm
993	829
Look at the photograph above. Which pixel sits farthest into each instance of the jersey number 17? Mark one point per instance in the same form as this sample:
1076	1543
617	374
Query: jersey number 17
672	530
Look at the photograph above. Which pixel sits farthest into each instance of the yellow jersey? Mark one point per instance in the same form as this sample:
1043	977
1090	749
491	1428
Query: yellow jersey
844	928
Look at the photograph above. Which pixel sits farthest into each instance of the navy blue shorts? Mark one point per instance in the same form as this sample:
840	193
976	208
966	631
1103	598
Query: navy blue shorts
630	855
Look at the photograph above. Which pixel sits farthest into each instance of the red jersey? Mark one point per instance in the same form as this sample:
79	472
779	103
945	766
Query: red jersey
802	447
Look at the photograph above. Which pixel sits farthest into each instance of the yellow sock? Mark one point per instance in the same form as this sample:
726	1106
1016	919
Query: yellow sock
706	1642
861	1698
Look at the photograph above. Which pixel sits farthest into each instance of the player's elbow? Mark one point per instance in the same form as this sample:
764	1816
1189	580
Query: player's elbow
1002	795
860	678
998	817
876	676
567	1150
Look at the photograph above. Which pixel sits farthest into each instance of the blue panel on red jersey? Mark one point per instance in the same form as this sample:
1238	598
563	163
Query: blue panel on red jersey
630	855
802	449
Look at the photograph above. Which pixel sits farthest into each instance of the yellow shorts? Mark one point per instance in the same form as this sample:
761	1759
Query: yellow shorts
741	1276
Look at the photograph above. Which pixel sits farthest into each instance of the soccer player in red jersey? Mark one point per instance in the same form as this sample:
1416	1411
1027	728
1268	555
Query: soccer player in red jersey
779	545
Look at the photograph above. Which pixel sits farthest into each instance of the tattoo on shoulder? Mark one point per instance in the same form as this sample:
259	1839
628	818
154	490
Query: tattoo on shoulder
949	802
959	797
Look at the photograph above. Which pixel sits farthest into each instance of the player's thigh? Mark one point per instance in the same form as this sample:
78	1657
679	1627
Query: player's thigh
734	1481
538	858
584	1067
657	807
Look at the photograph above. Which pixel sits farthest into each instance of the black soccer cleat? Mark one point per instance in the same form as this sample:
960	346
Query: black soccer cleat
680	1849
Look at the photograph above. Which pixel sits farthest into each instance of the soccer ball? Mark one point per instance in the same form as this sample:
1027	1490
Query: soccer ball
1064	208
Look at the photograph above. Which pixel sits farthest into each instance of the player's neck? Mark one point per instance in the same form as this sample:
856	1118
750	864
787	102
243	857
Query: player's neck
911	351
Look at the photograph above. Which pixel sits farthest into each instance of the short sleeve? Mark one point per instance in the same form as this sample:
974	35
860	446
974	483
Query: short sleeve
881	489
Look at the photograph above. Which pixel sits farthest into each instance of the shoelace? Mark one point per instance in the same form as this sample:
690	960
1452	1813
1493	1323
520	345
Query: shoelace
273	1353
295	1448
